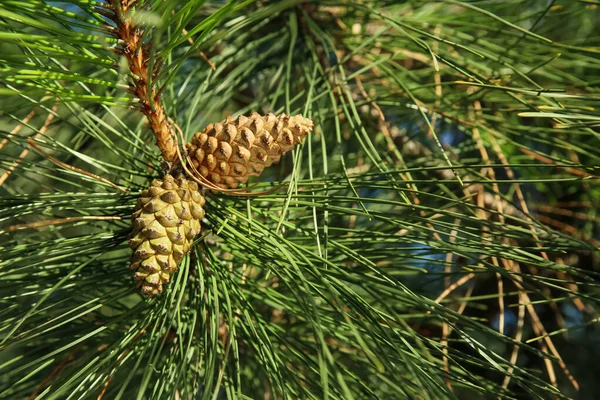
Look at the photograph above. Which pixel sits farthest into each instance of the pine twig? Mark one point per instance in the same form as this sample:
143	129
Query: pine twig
39	224
55	373
33	144
204	57
18	127
137	53
25	152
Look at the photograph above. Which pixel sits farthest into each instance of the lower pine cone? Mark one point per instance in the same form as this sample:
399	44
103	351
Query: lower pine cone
166	220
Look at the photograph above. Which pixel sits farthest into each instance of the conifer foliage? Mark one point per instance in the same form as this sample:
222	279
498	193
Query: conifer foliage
328	200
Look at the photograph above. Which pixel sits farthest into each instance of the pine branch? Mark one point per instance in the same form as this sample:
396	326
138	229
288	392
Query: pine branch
137	52
362	267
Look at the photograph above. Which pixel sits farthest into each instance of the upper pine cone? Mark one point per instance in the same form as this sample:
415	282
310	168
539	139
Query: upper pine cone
166	220
227	153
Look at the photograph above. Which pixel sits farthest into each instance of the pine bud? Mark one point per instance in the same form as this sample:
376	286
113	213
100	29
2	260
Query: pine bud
166	220
229	152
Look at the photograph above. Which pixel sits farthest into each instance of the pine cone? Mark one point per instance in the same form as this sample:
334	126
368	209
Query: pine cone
166	220
227	153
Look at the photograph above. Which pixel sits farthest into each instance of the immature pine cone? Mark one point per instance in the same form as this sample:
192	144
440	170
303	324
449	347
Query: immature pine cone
227	153
166	220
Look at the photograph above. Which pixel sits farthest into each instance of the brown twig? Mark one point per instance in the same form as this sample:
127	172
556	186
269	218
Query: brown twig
464	279
24	153
567	228
191	41
498	204
518	337
566	213
536	323
437	78
446	330
39	224
571	285
549	161
18	128
55	372
33	144
143	85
